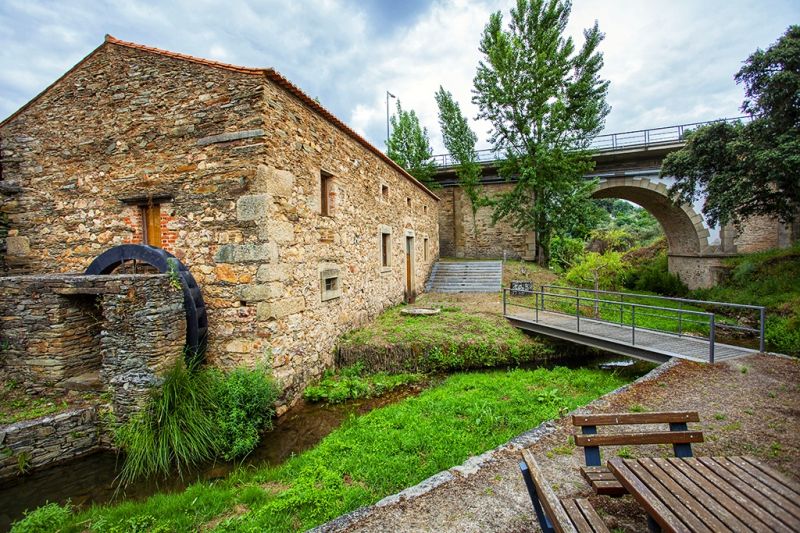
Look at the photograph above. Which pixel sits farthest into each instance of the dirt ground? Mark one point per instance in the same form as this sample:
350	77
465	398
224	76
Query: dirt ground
748	406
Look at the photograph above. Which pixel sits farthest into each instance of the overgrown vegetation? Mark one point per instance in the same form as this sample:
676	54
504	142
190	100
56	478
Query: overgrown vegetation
452	340
244	402
771	279
17	404
49	517
353	383
367	458
196	416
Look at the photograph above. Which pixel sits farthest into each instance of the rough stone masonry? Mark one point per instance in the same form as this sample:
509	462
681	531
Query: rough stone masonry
280	211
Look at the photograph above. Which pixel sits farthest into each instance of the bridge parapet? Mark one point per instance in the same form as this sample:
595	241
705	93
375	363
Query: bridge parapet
611	142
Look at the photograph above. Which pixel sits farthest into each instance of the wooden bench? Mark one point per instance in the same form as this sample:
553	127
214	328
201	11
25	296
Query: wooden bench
598	476
554	515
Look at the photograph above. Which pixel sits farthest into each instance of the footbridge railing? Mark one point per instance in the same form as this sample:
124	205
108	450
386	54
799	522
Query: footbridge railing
639	320
608	142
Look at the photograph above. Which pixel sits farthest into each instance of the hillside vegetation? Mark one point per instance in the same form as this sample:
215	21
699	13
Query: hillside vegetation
771	279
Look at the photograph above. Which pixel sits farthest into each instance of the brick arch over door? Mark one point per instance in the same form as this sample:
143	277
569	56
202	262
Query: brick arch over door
683	226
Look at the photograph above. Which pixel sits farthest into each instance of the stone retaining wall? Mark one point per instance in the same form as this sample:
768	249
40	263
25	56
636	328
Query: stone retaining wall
36	443
118	332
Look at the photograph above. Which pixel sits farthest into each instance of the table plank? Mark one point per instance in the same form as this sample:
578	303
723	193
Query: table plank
766	488
777	476
732	492
771	483
654	507
731	513
665	490
743	486
704	507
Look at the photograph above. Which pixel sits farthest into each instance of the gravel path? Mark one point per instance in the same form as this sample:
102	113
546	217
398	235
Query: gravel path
747	406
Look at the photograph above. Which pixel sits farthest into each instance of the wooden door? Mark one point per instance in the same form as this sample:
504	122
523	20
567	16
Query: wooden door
409	269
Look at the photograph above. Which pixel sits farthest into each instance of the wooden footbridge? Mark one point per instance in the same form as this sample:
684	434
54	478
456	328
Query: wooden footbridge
653	328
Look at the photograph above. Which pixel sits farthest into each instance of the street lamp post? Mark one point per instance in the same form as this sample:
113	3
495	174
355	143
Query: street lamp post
388	95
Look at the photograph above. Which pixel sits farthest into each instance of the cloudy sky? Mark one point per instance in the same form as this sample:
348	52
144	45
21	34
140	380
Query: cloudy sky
669	61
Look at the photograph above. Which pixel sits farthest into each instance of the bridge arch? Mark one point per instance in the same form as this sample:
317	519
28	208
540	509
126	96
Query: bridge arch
682	225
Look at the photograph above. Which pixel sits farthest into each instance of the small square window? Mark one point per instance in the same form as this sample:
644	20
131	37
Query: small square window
385	192
331	284
330	287
424	209
408	201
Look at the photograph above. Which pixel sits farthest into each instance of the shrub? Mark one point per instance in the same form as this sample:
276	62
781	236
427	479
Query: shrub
177	427
783	335
565	252
607	270
653	276
609	240
245	402
49	517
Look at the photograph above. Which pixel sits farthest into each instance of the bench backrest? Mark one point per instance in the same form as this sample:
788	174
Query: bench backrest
549	511
678	435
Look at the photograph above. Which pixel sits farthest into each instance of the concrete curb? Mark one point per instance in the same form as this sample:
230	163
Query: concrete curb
474	464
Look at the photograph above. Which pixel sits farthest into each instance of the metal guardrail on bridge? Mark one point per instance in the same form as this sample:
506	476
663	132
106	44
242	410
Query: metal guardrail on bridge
608	142
606	319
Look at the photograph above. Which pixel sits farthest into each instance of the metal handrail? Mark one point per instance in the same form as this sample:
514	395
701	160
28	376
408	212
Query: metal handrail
539	298
762	311
608	142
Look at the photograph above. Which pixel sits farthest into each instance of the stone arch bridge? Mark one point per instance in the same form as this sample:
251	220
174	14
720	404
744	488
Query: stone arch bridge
627	166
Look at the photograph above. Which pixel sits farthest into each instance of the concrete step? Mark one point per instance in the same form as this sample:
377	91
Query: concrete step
466	276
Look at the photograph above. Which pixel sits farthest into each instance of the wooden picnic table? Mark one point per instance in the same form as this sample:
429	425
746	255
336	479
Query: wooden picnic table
711	493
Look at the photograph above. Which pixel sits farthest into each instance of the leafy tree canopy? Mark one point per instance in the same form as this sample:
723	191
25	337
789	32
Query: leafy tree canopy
459	139
749	169
545	101
410	147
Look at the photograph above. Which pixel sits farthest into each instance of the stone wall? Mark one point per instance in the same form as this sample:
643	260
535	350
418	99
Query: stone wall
462	236
33	444
120	331
235	161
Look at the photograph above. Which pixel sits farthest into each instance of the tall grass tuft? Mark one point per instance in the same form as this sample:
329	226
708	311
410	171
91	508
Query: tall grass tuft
176	429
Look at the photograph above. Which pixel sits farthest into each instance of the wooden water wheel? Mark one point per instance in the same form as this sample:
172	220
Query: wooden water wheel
128	256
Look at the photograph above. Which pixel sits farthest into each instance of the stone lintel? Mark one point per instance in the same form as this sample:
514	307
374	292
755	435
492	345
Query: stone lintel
231	136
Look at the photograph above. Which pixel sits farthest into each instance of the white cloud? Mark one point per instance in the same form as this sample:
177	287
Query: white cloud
669	61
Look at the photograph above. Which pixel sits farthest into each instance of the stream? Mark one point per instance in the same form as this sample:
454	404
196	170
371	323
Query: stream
90	479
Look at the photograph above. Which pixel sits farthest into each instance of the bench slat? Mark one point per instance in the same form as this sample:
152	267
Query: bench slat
655	437
635	418
576	516
550	503
591	516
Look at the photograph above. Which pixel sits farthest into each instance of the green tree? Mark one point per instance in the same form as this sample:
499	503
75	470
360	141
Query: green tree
410	147
546	102
459	139
744	170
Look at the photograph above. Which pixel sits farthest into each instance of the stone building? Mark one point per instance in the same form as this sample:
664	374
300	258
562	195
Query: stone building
294	226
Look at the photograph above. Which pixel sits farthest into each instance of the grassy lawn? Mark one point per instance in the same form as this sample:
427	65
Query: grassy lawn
366	459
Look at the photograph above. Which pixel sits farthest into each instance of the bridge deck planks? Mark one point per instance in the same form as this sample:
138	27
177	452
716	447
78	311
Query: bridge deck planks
656	342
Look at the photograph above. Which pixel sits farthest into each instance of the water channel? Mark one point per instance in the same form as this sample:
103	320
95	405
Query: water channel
90	480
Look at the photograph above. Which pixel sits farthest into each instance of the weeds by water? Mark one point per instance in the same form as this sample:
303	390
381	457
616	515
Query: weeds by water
353	383
176	429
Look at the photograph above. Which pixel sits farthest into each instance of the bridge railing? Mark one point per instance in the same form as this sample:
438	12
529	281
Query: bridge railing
677	316
608	142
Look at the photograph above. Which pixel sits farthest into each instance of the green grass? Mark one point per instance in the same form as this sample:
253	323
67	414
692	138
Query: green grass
452	340
368	457
352	383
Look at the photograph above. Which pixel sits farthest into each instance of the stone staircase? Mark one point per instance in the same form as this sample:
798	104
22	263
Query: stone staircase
465	276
